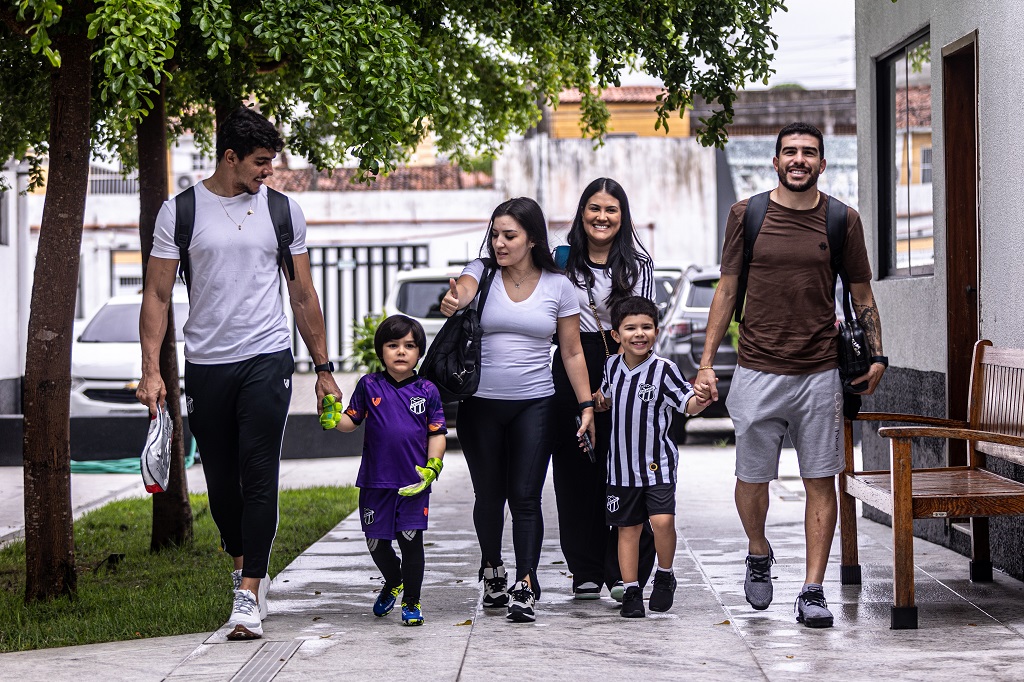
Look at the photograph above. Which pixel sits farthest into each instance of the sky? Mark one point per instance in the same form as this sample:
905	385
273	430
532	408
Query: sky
815	46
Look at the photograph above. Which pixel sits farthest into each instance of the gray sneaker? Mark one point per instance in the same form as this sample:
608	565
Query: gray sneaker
812	609
758	584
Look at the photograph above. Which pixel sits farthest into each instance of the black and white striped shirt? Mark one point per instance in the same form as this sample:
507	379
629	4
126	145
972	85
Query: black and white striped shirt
642	399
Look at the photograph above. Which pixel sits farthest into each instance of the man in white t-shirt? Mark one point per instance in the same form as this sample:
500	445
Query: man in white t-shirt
238	360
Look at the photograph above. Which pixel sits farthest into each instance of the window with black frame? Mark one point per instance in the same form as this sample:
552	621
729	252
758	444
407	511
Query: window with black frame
905	160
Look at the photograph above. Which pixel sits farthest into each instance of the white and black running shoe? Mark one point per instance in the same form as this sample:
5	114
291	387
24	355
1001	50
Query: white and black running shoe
495	586
245	617
520	609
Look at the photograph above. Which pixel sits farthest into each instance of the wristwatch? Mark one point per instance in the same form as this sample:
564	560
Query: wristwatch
326	367
880	358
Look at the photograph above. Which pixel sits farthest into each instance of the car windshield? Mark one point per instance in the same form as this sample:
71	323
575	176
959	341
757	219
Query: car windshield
119	323
701	293
422	299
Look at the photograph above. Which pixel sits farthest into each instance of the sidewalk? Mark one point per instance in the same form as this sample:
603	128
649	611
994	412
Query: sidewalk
320	625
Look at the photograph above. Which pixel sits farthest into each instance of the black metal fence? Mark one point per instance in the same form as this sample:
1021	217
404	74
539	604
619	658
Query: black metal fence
353	281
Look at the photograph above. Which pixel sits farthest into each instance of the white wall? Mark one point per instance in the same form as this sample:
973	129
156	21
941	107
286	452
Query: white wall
11	366
915	309
670	184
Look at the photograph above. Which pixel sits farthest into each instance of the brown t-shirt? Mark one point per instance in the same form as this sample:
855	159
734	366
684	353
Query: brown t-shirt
789	321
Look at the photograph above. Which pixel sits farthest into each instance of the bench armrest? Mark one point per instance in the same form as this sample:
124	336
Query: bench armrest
957	433
911	418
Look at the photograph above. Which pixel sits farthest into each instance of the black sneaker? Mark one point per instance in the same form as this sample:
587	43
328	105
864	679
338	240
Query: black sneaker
757	586
663	591
495	586
812	609
520	609
633	603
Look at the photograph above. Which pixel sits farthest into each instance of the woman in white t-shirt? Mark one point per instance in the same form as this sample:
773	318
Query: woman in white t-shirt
504	428
605	262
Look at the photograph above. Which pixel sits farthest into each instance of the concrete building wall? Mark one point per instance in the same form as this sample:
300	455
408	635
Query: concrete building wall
670	183
913	310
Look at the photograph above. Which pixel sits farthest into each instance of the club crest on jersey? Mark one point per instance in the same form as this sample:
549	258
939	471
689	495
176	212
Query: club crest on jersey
645	392
613	503
417	404
375	401
367	516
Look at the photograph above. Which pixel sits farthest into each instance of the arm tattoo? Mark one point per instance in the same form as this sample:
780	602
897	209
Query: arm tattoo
869	320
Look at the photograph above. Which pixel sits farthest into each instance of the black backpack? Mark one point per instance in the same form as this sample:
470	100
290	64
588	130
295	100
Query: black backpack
452	362
185	222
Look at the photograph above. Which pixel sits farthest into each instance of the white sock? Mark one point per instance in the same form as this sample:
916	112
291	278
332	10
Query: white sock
665	570
808	586
635	583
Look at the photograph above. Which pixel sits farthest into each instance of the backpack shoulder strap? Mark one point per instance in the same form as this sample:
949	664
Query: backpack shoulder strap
836	220
562	256
753	217
281	215
836	214
184	223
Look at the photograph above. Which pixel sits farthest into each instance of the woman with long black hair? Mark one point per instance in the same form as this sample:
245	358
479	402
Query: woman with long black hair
605	262
505	427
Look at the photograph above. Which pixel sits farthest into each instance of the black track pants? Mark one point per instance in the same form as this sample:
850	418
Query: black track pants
507	449
237	413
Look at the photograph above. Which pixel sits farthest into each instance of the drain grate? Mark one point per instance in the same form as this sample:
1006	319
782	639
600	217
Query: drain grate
267	662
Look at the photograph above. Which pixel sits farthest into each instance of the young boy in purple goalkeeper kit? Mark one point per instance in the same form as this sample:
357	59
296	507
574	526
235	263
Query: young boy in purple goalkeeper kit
402	451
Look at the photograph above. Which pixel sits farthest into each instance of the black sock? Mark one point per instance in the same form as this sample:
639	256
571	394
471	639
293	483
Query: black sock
411	544
384	557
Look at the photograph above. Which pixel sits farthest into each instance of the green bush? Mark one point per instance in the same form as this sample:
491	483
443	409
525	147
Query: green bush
363	357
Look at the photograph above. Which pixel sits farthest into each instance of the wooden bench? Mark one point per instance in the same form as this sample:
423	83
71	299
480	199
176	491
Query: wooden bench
995	428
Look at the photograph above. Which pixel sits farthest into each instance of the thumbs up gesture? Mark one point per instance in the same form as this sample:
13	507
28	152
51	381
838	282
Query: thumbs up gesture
450	302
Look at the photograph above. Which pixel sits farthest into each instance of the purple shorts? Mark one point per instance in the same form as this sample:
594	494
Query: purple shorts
384	513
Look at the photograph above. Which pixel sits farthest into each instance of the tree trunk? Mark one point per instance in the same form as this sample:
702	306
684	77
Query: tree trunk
172	513
49	531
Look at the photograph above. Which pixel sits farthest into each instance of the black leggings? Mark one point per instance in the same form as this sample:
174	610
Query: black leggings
237	413
407	570
507	447
589	545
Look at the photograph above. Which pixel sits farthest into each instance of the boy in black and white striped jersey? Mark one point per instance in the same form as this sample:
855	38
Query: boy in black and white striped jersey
642	389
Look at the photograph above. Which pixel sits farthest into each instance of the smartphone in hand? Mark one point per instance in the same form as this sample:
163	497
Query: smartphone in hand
588	445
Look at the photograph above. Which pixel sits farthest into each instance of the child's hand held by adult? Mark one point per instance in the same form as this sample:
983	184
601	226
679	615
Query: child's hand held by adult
331	414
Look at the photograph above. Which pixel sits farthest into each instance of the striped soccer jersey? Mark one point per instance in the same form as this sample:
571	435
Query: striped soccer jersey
642	451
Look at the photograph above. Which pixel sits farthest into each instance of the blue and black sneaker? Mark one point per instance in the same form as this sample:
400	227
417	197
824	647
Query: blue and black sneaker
386	600
411	614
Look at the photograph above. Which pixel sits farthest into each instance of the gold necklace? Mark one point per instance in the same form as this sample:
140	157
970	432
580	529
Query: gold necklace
247	213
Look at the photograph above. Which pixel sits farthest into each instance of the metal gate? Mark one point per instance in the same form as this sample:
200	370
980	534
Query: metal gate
352	281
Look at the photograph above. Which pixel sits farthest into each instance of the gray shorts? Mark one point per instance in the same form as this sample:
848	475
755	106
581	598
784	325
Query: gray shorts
765	406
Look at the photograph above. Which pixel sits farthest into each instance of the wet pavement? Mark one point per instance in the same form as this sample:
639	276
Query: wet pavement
321	627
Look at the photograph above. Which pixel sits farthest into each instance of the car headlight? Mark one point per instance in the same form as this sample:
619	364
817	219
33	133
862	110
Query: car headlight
76	383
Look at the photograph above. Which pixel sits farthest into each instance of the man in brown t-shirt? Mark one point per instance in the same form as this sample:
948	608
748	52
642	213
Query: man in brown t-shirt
788	377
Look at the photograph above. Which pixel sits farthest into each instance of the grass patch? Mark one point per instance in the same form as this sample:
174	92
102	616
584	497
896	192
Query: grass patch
178	591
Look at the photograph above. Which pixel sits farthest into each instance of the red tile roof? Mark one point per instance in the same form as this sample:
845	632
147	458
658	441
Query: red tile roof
626	94
441	176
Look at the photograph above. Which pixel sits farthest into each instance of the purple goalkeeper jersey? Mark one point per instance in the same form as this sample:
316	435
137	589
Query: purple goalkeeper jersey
400	417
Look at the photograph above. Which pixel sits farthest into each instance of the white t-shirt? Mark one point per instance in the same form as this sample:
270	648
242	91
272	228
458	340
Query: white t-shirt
603	287
236	310
516	350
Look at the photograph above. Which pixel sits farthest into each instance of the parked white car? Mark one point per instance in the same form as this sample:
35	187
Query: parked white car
418	293
106	359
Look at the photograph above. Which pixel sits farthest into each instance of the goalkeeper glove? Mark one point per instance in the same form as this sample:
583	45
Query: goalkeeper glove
331	415
428	475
